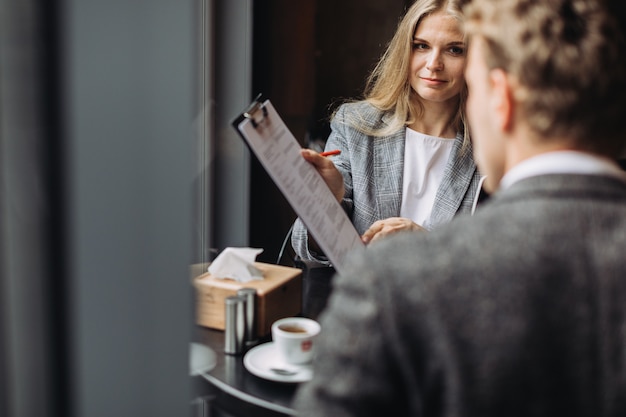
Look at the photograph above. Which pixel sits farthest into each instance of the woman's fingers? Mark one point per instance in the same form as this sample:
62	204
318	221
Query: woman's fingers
327	169
386	227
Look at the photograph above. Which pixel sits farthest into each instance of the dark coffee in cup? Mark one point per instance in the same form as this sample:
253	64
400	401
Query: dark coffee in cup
292	328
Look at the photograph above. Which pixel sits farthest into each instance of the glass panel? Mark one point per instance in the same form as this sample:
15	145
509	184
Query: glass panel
204	126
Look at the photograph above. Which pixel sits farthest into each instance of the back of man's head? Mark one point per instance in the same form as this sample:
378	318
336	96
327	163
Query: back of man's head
569	58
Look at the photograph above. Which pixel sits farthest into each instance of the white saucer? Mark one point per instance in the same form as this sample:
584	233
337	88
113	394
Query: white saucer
261	359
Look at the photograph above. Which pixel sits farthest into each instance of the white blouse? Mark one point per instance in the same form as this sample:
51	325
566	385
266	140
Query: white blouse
425	159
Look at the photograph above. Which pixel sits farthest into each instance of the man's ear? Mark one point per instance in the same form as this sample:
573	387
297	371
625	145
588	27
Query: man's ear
502	99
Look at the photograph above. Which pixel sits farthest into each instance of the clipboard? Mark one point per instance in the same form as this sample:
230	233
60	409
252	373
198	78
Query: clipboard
278	151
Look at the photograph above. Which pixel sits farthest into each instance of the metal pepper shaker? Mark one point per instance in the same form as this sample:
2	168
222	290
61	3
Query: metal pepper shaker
235	328
250	314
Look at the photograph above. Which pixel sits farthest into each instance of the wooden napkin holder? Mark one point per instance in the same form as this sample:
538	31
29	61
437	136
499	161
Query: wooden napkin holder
279	295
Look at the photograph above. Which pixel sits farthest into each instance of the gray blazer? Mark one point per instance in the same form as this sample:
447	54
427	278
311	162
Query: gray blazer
517	311
372	169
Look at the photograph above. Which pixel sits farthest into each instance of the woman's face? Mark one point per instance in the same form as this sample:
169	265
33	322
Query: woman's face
438	58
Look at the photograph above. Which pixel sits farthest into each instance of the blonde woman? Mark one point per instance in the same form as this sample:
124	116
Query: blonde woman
406	159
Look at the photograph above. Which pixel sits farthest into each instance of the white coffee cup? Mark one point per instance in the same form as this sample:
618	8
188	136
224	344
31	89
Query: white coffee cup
293	339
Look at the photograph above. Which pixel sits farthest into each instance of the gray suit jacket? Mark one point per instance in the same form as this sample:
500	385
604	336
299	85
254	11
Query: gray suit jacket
372	169
519	310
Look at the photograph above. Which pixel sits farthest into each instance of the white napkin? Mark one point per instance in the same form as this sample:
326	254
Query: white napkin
237	264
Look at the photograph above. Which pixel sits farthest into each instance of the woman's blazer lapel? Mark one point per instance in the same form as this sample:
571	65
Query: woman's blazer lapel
456	181
388	171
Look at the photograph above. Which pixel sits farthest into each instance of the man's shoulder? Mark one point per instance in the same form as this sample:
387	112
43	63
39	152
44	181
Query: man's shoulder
423	254
461	247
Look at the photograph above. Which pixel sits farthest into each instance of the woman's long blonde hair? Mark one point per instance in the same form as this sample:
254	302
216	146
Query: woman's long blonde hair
388	86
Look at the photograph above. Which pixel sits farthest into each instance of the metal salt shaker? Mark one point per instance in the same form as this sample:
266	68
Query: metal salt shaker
235	326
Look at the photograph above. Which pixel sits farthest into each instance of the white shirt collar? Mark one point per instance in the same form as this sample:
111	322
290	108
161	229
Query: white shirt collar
562	162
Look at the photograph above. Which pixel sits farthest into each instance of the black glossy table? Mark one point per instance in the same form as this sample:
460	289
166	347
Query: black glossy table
231	389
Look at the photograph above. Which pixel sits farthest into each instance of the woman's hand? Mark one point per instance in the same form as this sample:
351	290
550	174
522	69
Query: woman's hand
389	226
328	171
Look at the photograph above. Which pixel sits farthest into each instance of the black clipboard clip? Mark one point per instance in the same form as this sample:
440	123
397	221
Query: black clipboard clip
253	109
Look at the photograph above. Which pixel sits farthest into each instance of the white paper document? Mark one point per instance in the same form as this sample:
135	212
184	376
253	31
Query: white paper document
304	188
